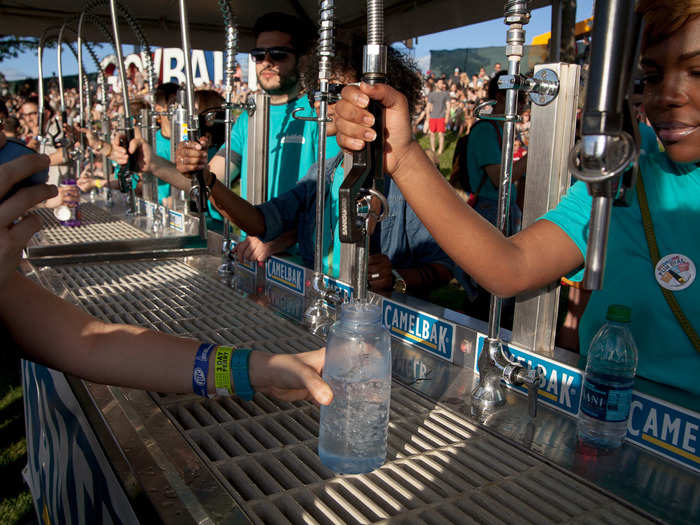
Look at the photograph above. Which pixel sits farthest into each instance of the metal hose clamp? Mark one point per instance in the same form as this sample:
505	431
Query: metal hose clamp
629	154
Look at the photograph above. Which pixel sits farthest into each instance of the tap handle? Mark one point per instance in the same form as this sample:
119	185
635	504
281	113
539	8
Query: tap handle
527	377
131	167
532	399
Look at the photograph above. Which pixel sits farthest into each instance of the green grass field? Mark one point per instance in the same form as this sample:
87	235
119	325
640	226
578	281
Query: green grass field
15	499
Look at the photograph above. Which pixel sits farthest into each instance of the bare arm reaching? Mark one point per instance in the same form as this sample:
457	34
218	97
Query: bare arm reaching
506	266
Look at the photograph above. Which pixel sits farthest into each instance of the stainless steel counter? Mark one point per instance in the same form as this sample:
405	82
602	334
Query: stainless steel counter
226	460
184	459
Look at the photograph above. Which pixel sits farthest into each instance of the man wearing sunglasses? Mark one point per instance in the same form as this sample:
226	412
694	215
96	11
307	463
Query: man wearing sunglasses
280	40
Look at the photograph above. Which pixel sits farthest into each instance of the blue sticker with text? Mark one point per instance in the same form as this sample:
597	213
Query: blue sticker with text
345	291
560	385
419	329
665	429
285	274
176	220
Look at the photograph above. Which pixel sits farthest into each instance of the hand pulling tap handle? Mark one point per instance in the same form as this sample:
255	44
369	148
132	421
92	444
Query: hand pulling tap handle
131	166
368	164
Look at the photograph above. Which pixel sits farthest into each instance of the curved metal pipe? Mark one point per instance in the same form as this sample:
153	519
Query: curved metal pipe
138	32
40	57
81	71
59	62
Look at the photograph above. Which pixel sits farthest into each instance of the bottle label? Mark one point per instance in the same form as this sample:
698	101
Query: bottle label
604	401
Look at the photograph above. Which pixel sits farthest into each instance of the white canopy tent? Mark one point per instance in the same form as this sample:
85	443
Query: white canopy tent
159	18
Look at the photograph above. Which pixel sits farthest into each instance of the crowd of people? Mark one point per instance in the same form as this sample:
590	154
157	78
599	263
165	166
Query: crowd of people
453	98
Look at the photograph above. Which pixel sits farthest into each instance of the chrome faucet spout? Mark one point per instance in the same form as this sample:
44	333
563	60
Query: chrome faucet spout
495	365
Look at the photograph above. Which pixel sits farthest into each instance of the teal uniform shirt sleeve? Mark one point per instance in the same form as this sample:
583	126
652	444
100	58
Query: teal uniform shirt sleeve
483	149
239	133
163	151
573	215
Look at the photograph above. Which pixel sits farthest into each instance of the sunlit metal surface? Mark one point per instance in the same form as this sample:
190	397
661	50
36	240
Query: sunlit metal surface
96	225
441	467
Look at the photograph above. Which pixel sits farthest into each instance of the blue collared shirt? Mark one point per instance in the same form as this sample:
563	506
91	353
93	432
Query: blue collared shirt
404	239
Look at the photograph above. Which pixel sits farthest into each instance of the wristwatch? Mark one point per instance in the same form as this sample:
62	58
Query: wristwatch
399	282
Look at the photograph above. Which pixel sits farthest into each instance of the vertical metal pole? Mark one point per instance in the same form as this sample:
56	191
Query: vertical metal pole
517	14
552	133
613	45
199	189
325	52
81	72
128	119
128	123
555	34
40	58
318	315
64	115
59	62
374	71
227	267
258	148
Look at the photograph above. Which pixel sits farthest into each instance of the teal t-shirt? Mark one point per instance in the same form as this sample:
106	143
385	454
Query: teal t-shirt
483	149
673	191
293	146
163	151
649	143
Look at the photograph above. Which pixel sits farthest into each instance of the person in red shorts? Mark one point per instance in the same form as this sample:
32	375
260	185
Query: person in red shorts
437	109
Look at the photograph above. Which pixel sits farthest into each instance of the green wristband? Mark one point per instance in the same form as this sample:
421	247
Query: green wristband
241	373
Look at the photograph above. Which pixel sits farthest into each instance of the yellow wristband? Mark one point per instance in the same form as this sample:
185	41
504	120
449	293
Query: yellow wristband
222	370
99	183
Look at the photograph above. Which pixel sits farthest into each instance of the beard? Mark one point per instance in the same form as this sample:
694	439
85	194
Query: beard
279	86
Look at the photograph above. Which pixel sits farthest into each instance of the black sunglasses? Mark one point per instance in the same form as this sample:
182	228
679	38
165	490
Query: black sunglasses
277	53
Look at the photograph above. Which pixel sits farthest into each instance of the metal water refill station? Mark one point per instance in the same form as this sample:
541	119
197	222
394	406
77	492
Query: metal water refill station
453	457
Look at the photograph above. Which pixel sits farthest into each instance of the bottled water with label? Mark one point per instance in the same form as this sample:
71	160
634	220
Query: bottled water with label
609	380
353	428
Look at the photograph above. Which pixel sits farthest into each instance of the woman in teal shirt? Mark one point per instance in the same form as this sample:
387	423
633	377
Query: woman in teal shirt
556	246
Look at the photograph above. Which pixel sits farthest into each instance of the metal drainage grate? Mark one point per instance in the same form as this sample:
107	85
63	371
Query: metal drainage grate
96	226
440	467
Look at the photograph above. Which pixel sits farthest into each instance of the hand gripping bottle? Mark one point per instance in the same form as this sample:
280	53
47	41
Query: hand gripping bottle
353	429
609	380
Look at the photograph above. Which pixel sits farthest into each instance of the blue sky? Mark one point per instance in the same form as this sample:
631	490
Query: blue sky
492	33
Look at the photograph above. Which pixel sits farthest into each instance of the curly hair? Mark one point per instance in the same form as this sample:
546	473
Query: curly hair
402	73
664	17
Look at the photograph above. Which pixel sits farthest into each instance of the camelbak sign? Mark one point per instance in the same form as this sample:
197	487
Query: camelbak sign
285	274
666	429
560	385
419	329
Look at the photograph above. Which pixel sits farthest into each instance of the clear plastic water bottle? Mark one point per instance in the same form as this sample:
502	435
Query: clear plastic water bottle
353	429
609	380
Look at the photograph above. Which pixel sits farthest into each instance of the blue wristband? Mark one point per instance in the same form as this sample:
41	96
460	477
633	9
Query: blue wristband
200	370
240	373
